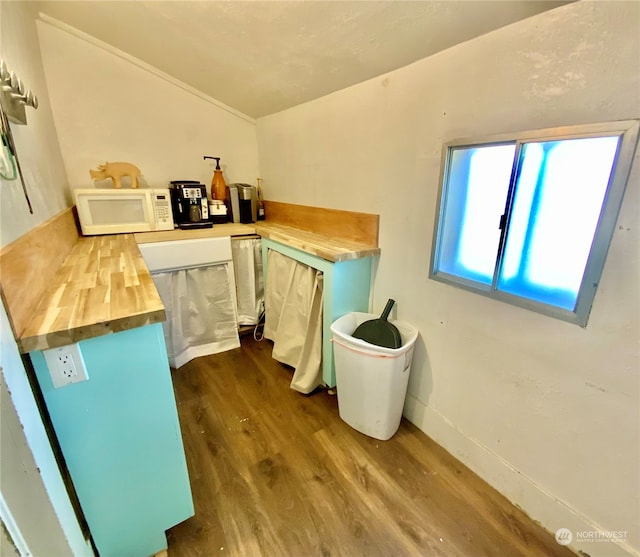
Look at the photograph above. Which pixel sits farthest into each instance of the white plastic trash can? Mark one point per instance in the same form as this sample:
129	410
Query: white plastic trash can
371	380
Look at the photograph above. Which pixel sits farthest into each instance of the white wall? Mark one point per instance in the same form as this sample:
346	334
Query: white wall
109	106
30	482
544	410
22	488
36	143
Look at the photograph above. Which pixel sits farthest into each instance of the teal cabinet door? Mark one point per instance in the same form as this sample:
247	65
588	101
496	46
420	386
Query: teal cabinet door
120	437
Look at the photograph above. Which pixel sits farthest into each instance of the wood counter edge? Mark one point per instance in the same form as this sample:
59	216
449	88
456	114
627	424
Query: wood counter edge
32	339
55	339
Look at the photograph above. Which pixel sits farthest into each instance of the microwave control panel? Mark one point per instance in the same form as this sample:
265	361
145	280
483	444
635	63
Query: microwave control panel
162	210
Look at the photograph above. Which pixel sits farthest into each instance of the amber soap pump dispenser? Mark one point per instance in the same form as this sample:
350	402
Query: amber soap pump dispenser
218	185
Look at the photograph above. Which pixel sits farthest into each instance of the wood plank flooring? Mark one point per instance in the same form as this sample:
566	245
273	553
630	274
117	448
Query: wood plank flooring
277	474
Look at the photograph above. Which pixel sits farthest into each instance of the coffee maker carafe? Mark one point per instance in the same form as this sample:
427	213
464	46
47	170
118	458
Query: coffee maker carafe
189	204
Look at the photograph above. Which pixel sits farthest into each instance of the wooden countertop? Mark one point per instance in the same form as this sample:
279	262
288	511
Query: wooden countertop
329	248
103	286
321	245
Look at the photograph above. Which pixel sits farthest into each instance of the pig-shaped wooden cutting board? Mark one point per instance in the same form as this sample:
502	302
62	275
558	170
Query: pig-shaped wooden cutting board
115	171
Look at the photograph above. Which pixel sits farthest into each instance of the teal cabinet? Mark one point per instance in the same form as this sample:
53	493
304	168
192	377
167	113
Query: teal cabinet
347	285
120	437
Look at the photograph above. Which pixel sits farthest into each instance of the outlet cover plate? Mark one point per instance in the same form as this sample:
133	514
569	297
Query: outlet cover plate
66	365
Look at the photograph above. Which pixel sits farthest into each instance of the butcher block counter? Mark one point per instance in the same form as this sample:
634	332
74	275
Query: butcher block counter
331	234
103	286
329	248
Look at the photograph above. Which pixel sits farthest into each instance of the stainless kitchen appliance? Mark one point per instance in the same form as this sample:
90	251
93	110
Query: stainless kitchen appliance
243	201
189	204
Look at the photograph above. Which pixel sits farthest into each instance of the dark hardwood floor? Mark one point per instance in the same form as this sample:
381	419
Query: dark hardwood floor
276	473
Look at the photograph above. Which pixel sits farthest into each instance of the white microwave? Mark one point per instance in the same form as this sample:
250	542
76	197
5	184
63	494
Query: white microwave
115	211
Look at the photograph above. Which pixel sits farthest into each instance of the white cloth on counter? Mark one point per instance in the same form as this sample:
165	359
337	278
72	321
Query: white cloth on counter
293	318
247	265
201	316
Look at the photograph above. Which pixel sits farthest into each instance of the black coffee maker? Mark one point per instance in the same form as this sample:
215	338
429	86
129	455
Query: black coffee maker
189	204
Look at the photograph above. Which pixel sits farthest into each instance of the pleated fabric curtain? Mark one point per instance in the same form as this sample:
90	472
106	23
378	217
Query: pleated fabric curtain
247	265
201	313
293	318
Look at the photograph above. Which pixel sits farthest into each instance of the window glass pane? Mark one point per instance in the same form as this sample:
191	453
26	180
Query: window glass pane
557	204
530	161
476	190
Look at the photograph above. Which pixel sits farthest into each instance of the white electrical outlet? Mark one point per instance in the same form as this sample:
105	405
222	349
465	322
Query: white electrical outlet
66	365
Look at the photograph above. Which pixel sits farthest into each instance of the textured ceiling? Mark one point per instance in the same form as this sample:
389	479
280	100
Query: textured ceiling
260	57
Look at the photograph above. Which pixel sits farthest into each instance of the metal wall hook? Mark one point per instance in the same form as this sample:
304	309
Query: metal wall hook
14	96
13	99
29	99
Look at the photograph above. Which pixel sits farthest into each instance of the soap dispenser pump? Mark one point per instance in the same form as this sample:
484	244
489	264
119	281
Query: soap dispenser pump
218	185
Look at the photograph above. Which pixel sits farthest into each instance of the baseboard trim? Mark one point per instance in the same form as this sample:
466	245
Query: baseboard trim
549	511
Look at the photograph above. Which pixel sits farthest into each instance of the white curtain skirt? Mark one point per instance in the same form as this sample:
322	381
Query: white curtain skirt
293	318
201	312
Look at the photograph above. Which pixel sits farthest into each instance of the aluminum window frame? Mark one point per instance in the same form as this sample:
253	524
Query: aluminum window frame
628	131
